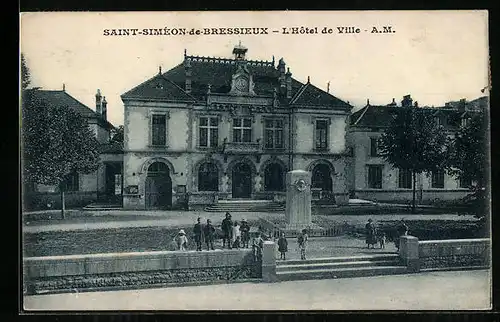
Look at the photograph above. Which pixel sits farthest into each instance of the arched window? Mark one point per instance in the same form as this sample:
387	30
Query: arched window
157	168
321	177
273	178
208	177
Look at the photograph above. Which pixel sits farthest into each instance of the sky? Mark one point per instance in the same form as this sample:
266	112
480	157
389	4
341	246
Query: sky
435	56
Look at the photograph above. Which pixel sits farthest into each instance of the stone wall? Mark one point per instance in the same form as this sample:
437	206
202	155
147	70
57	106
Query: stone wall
435	254
444	254
123	269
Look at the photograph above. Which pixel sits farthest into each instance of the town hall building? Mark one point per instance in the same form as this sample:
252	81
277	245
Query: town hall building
212	129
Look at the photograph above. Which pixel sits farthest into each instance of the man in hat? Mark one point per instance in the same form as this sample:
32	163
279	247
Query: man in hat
245	233
197	231
227	229
209	232
371	238
181	240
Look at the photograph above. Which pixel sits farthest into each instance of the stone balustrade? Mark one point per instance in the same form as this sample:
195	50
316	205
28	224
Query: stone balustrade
137	268
444	254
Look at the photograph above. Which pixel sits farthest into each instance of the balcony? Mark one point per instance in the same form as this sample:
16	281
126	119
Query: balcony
242	147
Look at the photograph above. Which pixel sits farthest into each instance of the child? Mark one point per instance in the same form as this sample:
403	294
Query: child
257	247
236	235
181	240
382	239
302	241
282	246
245	233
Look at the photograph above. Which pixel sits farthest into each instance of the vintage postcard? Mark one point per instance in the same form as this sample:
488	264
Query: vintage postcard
295	160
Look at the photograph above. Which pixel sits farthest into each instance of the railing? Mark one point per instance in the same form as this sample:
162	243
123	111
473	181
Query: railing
238	147
272	231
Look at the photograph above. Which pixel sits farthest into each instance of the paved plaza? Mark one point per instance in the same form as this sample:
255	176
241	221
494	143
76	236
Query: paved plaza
451	290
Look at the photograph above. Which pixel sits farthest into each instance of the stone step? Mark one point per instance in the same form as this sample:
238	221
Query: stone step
316	266
340	272
244	201
245	208
363	258
101	208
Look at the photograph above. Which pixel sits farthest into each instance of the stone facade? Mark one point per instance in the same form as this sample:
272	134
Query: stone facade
230	129
367	126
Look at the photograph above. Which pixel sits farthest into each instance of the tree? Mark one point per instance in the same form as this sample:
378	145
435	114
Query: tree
414	142
468	159
56	142
25	74
117	134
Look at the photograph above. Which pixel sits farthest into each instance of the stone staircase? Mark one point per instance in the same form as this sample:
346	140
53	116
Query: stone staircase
102	206
246	205
339	267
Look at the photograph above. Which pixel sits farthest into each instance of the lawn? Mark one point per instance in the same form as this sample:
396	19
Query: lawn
127	239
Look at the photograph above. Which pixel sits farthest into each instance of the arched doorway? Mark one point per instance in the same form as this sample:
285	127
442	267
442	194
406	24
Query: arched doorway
241	181
274	178
158	190
322	177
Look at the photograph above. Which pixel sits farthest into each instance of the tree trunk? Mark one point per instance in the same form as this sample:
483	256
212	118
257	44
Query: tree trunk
414	184
63	205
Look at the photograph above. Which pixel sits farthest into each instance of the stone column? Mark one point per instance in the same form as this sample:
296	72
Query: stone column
408	252
269	262
298	199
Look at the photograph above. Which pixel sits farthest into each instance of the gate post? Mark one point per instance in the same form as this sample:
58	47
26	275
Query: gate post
269	262
408	252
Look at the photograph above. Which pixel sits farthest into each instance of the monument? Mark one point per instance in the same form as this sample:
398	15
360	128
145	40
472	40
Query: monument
298	200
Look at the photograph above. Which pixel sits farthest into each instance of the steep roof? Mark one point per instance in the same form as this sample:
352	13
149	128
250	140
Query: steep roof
382	115
310	95
218	72
159	87
61	98
373	116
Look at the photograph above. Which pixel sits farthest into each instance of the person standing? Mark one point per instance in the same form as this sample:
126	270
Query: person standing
181	240
245	233
282	246
227	229
257	245
302	241
198	231
371	238
209	232
401	230
236	235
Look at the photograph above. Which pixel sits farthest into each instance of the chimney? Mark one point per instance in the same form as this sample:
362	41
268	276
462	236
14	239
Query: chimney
407	101
98	102
282	76
188	70
64	87
288	78
416	104
462	104
104	108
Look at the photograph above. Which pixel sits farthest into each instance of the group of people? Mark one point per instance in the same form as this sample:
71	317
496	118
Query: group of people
234	235
302	241
375	236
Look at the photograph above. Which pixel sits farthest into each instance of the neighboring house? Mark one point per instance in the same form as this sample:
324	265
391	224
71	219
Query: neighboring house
82	189
217	128
374	179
